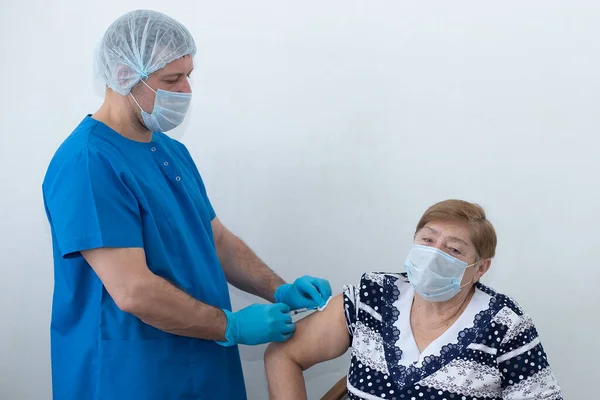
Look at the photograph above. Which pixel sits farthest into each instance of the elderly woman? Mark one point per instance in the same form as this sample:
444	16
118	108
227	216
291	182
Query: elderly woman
434	333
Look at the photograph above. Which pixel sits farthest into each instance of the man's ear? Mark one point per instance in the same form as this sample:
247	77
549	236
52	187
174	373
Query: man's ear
124	76
484	266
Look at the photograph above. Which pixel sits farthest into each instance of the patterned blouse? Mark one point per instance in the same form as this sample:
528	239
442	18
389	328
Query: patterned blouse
492	351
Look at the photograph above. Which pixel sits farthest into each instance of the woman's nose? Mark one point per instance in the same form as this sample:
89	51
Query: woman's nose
440	246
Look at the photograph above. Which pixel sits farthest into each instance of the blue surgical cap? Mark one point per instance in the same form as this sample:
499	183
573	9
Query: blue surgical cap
138	44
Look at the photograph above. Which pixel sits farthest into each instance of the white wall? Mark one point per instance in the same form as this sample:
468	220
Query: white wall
323	130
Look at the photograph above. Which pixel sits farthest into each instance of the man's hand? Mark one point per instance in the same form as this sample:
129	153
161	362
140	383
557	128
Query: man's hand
257	324
306	291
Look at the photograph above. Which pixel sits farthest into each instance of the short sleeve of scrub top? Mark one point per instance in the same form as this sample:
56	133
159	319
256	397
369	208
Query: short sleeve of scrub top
91	204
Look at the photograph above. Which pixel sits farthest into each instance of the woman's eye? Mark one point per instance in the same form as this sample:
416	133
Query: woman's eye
454	251
426	240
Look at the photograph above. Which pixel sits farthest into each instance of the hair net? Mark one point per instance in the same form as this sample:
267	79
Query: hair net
138	44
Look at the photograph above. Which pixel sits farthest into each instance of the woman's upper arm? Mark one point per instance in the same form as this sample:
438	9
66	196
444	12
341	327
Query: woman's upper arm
319	337
524	366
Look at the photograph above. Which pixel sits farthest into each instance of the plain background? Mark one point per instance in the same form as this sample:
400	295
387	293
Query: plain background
323	130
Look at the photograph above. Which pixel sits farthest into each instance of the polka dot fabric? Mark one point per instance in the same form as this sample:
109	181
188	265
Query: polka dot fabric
522	367
497	356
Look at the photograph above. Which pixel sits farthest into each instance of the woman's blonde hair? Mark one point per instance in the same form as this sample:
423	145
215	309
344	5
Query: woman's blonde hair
483	234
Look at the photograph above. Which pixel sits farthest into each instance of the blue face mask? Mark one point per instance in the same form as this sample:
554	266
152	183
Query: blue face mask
168	112
435	275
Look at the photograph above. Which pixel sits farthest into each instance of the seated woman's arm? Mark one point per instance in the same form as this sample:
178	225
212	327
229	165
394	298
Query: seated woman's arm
319	337
524	367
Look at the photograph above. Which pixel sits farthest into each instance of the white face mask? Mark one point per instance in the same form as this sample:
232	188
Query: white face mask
169	110
435	275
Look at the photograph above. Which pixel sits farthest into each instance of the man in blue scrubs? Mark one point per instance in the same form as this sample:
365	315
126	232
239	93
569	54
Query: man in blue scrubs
141	308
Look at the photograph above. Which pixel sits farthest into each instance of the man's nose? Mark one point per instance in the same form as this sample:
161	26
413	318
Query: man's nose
185	86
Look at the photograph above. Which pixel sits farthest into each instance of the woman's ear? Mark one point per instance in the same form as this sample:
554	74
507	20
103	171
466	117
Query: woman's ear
484	266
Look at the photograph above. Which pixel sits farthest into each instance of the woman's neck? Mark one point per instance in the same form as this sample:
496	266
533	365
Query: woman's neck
434	315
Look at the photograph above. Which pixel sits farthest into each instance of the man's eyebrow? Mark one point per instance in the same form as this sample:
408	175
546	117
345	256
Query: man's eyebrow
171	74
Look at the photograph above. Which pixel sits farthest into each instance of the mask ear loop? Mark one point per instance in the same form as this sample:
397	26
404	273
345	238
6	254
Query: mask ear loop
136	102
148	86
469	266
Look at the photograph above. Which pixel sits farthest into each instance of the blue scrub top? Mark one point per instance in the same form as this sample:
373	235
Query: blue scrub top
104	190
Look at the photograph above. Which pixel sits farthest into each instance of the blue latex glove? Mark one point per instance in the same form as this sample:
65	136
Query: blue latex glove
257	324
306	291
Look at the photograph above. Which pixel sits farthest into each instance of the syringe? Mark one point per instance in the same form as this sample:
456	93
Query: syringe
302	310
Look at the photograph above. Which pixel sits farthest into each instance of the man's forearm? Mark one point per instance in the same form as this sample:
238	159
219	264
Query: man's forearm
285	377
163	306
244	270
